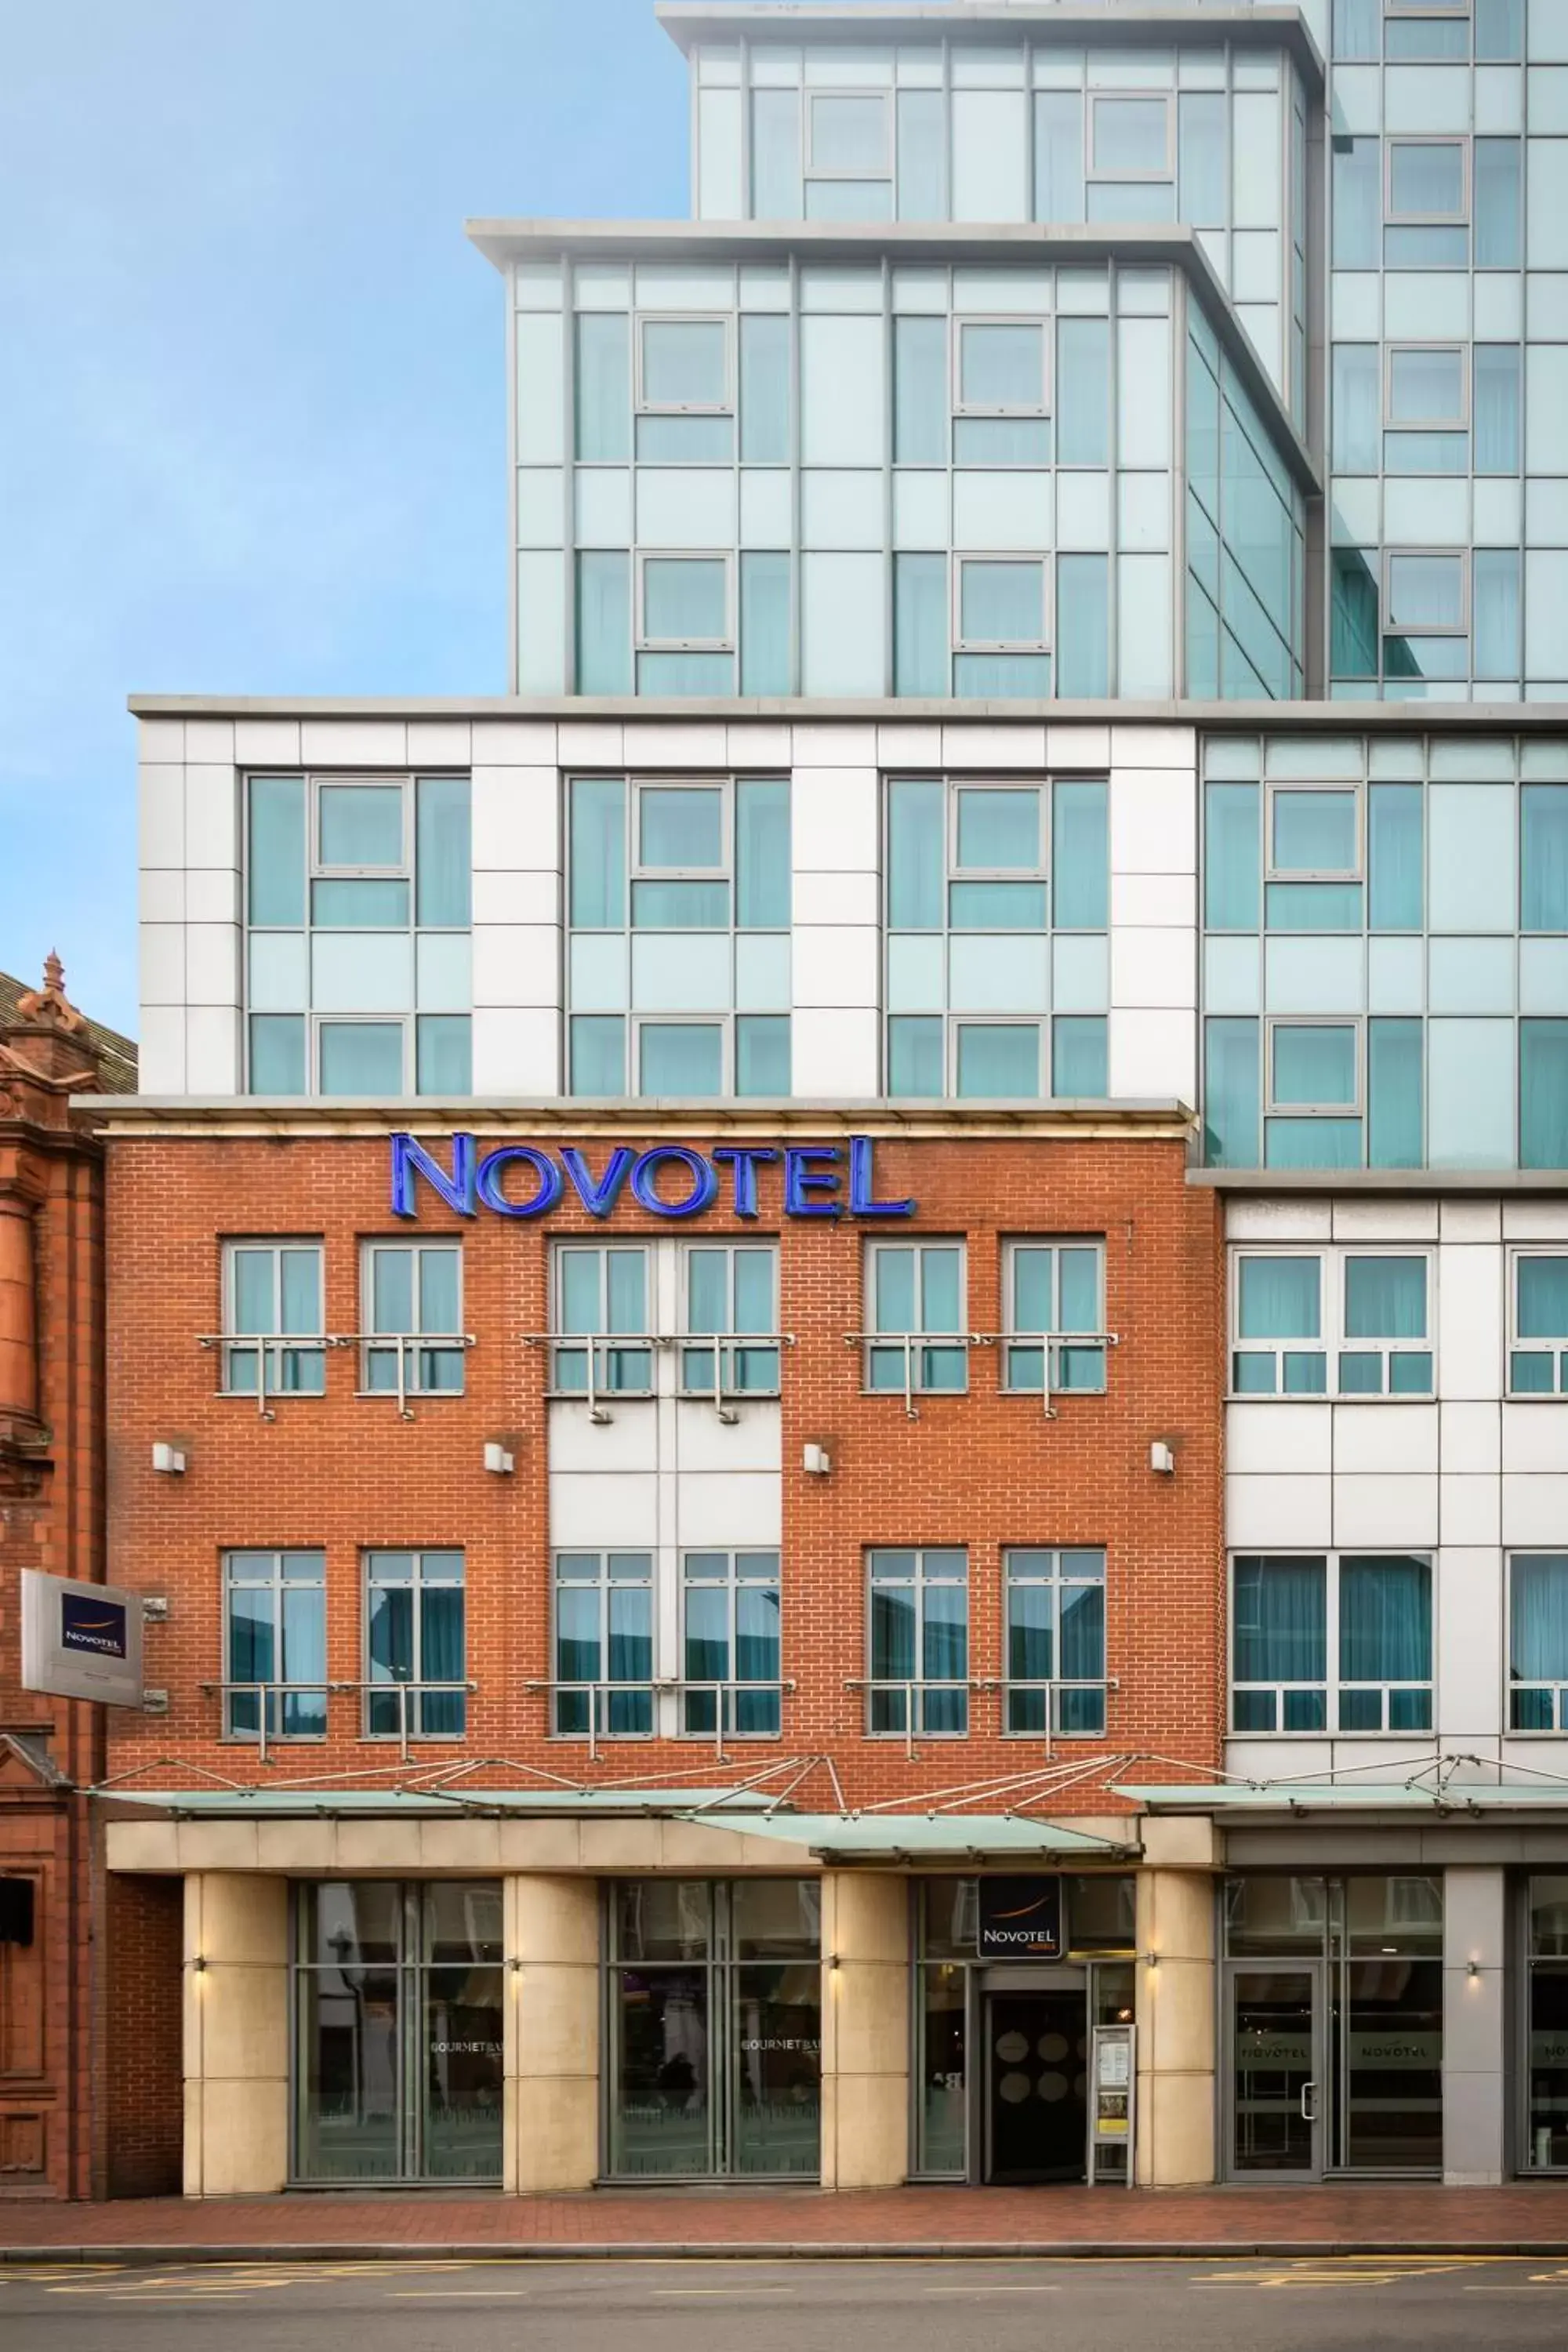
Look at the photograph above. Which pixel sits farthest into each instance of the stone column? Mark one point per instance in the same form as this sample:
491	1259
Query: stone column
236	2033
552	2026
1175	2118
1475	1917
865	2028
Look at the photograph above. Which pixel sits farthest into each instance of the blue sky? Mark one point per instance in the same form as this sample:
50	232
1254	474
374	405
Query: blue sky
252	429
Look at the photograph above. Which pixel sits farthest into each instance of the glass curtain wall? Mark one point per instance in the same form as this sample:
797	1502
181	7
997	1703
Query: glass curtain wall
714	2001
398	2030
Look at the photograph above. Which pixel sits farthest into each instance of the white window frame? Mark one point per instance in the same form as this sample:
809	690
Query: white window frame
1107	172
601	1351
910	1344
309	1343
266	1694
725	644
1333	1689
412	1381
916	1725
597	1728
321	871
1554	1350
1275	1021
1051	1343
1513	1685
317	1022
1041	325
642	405
411	1718
1278	784
1395	139
963	645
810	169
1451	424
1038	872
731	1585
1389	627
1055	1584
728	1345
638	870
1333	1259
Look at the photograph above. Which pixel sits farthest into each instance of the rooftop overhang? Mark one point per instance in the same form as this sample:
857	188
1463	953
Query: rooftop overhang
1117	27
168	1116
815	710
504	242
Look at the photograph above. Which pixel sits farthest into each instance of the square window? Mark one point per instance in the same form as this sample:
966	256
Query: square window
1427	179
1426	591
1132	135
1313	1065
681	828
1001	367
685	600
850	134
1426	384
998	830
1314	833
360	825
685	363
1002	602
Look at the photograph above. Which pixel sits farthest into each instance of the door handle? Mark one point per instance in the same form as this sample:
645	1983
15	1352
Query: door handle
1308	2103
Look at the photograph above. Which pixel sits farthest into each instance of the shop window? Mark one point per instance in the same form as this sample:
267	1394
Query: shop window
413	1297
275	1645
1546	2104
1056	1340
1538	1642
603	1645
1351	1323
1538	1340
917	1344
415	1664
1055	1637
273	1342
1340	1642
917	1667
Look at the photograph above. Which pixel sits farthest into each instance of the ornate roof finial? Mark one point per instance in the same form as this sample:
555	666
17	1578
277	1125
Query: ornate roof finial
54	974
49	1005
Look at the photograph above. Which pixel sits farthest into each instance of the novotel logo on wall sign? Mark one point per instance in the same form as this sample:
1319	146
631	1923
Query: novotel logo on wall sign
668	1179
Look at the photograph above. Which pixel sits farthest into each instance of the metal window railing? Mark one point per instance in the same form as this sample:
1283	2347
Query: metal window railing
646	1694
1058	1372
268	1731
919	1379
598	1368
1057	1695
269	1348
918	1719
1538	1707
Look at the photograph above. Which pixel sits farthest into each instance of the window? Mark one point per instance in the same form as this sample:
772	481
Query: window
849	135
1297	1314
1425	614
1538	1642
272	1291
1001	393
730	1638
684	365
415	1661
1314	1094
413	1291
1370	1614
1425	385
1314	833
685	603
678	953
603	1347
919	1623
357	946
1055	1314
275	1645
604	1645
915	1291
1538	1339
1056	1643
730	1294
1427	180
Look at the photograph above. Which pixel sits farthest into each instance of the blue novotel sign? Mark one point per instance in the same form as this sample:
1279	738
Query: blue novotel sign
668	1179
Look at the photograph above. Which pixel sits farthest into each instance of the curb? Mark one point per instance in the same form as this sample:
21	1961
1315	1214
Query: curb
144	2256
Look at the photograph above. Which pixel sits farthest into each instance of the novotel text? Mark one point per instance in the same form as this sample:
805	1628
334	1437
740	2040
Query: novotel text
668	1179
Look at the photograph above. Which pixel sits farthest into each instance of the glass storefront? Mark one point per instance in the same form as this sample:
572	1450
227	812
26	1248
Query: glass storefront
1334	2024
397	2036
714	2028
1546	2025
965	2128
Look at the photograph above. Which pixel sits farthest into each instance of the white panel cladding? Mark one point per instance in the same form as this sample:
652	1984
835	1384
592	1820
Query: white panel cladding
1279	1512
1279	1439
835	820
1386	1436
1387	1511
835	964
212	1049
162	964
211	816
353	742
161	1049
1471	1318
626	1442
719	1509
1153	820
1470	1438
1153	1054
1469	1508
836	1054
517	963
1469	1635
1535	1437
748	1445
161	803
1535	1510
1154	968
516	820
596	1509
1374	1219
517	1051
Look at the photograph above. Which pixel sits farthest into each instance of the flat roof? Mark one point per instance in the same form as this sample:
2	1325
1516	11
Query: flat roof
169	1117
1368	718
502	241
1105	27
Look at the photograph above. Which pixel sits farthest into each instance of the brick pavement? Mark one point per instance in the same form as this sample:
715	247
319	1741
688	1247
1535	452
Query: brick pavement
1523	2217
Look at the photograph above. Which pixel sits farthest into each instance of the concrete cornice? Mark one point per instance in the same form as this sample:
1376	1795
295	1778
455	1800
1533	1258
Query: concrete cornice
505	241
1004	24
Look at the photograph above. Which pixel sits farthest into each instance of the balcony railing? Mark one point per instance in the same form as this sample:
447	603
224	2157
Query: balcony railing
279	1713
921	1720
278	1364
600	1367
639	1710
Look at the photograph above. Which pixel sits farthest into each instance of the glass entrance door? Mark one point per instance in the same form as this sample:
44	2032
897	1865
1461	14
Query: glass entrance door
1036	2085
1274	2021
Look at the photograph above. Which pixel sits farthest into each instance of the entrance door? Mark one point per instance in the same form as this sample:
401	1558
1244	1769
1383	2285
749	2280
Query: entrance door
1275	2030
1036	2085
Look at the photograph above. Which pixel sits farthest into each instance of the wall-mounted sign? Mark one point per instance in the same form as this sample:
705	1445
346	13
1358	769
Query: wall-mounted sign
81	1640
1019	1919
668	1179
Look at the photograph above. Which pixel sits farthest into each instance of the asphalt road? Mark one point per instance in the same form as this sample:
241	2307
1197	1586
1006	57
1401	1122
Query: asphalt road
1427	2303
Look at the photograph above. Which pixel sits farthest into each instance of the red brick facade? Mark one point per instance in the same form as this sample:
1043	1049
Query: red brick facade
341	1472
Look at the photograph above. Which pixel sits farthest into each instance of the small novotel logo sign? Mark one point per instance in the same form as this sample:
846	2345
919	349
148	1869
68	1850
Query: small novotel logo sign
667	1180
91	1624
